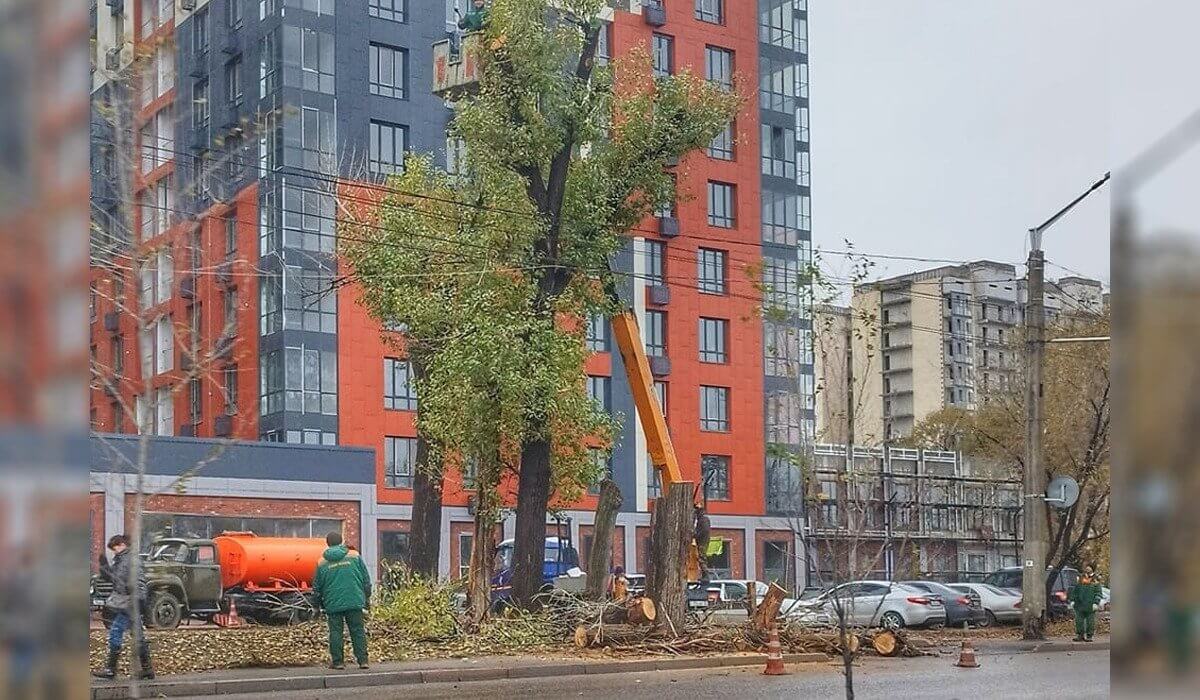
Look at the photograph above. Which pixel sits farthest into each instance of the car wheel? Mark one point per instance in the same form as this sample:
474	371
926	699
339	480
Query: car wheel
891	620
988	619
165	610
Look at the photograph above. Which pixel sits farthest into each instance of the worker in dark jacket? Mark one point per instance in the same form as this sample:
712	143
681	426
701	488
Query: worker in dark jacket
121	604
1085	596
702	529
475	18
343	588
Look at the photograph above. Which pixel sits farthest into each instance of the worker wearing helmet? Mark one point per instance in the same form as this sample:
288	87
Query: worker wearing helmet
1085	596
343	588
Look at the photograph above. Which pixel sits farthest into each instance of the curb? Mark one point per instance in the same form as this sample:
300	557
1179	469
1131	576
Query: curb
167	688
1041	647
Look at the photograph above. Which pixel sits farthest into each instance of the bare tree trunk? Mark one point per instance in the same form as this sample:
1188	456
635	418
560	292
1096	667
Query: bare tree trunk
533	497
425	535
600	558
670	536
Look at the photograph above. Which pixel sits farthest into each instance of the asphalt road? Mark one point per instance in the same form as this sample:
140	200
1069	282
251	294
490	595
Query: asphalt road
1076	675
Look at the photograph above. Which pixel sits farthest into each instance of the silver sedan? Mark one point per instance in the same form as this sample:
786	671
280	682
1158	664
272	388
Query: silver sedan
1001	605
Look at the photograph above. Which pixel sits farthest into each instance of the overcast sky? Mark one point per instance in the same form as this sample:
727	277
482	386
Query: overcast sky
947	128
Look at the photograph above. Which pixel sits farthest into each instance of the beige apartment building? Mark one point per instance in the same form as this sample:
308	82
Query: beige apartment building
911	345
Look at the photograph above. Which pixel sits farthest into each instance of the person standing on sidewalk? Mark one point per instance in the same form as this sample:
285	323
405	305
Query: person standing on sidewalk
120	603
1085	596
343	589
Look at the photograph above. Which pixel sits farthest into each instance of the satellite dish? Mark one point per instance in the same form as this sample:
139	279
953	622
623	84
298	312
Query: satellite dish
1062	492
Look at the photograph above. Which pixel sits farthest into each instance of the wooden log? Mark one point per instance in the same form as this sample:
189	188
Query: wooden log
851	642
885	643
600	557
641	611
751	600
608	635
670	536
769	610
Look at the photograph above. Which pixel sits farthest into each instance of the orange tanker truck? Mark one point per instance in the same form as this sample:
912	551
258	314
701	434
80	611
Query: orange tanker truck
269	579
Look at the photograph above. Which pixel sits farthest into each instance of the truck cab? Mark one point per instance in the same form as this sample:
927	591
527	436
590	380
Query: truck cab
559	559
183	577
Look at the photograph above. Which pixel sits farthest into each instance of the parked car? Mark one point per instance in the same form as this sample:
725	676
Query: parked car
1056	605
961	607
636	583
999	604
878	604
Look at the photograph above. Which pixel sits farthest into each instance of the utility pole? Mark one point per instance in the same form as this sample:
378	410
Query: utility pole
1033	571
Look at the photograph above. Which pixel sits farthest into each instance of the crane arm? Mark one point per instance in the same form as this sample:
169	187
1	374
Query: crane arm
641	384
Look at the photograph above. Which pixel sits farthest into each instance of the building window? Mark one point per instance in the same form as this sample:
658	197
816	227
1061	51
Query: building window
783	418
779	26
778	151
714	408
721	146
778	85
802	124
230	375
456	155
320	7
309	300
391	10
711	11
270	303
803	80
662	55
200	107
653	479
399	392
466	544
775	562
804	170
656	333
387	71
308	219
116	348
233	14
388	145
783	217
194	401
714	470
710	271
713	332
200	35
721	204
233	83
393	550
318	138
299	379
781	283
597	333
656	254
399	461
599	391
718	66
660	391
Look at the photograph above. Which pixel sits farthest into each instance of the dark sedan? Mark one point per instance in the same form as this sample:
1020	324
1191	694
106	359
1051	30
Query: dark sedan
960	607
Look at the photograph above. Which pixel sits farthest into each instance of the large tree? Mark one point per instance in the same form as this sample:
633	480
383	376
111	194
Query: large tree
589	148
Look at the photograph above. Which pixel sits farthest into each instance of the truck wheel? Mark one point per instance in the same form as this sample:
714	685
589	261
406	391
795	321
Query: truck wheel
165	610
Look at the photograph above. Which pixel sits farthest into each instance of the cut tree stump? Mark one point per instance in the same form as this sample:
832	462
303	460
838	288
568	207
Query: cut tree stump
885	643
670	536
608	635
852	642
769	609
641	611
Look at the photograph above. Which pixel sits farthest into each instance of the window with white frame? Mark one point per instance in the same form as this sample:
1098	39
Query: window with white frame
387	71
781	217
721	147
660	391
662	55
597	337
164	409
600	392
781	283
399	461
317	59
399	389
712	11
783	417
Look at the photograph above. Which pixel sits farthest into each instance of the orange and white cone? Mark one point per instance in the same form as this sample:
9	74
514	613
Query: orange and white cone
966	656
774	655
232	619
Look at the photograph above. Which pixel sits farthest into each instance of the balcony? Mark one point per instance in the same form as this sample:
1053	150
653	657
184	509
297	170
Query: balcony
668	226
660	366
456	68
655	14
659	294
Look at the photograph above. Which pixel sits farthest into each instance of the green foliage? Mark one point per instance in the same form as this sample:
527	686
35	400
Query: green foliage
415	607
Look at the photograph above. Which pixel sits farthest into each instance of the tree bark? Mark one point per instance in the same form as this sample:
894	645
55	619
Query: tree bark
425	535
769	609
600	558
671	533
533	496
479	586
425	530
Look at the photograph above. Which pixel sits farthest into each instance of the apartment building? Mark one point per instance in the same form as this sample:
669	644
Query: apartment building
242	114
938	337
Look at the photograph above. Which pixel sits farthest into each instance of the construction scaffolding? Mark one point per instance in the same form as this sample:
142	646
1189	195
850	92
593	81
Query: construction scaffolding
893	513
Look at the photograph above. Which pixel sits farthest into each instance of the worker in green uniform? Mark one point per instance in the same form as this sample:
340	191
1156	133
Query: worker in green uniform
1085	596
475	18
343	589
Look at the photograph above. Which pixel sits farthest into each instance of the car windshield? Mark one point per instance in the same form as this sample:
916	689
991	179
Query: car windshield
169	551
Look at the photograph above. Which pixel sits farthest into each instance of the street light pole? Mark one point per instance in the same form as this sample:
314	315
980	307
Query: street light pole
1033	571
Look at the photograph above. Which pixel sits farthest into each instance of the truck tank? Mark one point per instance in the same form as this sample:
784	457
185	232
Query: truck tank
249	561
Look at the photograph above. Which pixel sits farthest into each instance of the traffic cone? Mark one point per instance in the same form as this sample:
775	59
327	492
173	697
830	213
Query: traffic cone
966	657
234	620
774	655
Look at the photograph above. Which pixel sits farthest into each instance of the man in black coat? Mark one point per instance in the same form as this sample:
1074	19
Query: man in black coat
120	603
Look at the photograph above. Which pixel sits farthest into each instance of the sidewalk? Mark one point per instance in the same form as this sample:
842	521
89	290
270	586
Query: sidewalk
491	668
1020	646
